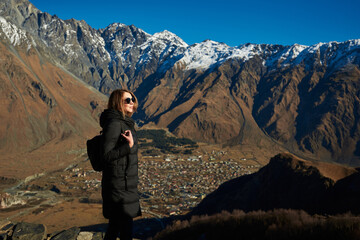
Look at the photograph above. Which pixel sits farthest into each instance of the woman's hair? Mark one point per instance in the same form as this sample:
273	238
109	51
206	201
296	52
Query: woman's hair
116	102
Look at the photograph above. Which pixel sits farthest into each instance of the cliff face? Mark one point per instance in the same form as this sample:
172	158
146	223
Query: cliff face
315	109
291	183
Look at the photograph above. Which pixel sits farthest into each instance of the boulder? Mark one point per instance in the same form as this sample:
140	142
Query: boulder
85	236
70	234
29	231
98	236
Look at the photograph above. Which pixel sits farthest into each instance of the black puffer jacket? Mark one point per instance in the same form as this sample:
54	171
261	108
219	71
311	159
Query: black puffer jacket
120	175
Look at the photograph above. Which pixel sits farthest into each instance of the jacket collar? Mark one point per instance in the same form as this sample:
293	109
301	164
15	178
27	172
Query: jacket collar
110	114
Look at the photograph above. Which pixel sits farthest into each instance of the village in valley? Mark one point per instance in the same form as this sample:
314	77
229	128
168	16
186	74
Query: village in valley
174	184
174	176
168	184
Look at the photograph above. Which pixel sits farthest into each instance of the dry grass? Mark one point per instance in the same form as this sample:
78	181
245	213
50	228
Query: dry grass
277	224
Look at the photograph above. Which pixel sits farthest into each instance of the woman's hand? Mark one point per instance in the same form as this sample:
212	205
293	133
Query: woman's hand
129	138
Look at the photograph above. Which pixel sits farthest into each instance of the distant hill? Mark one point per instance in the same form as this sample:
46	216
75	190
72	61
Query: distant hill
288	182
303	98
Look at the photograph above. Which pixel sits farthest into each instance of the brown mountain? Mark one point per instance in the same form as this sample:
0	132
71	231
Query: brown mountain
291	183
304	99
46	113
316	110
313	113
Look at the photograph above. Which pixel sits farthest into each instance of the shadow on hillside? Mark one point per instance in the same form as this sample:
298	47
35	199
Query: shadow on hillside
145	228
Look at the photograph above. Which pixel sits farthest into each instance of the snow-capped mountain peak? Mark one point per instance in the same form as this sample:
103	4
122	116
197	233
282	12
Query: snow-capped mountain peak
128	48
170	37
292	52
209	53
205	54
115	26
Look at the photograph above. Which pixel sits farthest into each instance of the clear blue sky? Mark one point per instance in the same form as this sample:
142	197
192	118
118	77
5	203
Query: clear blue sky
233	22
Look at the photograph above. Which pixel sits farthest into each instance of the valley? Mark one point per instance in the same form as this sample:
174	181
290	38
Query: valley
170	185
58	73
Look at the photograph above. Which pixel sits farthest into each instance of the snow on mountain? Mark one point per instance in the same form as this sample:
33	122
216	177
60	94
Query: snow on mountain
355	43
291	53
331	53
341	54
95	40
128	46
170	37
209	53
115	34
160	45
114	27
204	55
121	40
245	51
15	35
58	34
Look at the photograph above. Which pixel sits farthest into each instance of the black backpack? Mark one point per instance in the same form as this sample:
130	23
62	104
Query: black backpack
95	152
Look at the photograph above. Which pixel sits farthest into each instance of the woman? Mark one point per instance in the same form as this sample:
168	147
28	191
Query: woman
120	174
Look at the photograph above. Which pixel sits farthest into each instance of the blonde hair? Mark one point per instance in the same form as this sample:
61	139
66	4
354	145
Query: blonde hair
116	102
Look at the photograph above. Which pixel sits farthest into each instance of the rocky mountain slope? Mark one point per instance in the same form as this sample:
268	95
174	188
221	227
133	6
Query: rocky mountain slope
47	113
288	182
304	98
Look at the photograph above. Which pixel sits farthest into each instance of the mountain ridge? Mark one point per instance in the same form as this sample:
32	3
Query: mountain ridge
303	98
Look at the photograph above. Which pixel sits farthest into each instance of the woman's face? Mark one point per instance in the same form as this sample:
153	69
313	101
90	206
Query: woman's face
128	103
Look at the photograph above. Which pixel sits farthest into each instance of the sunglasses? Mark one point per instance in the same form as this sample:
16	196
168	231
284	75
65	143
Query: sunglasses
128	100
